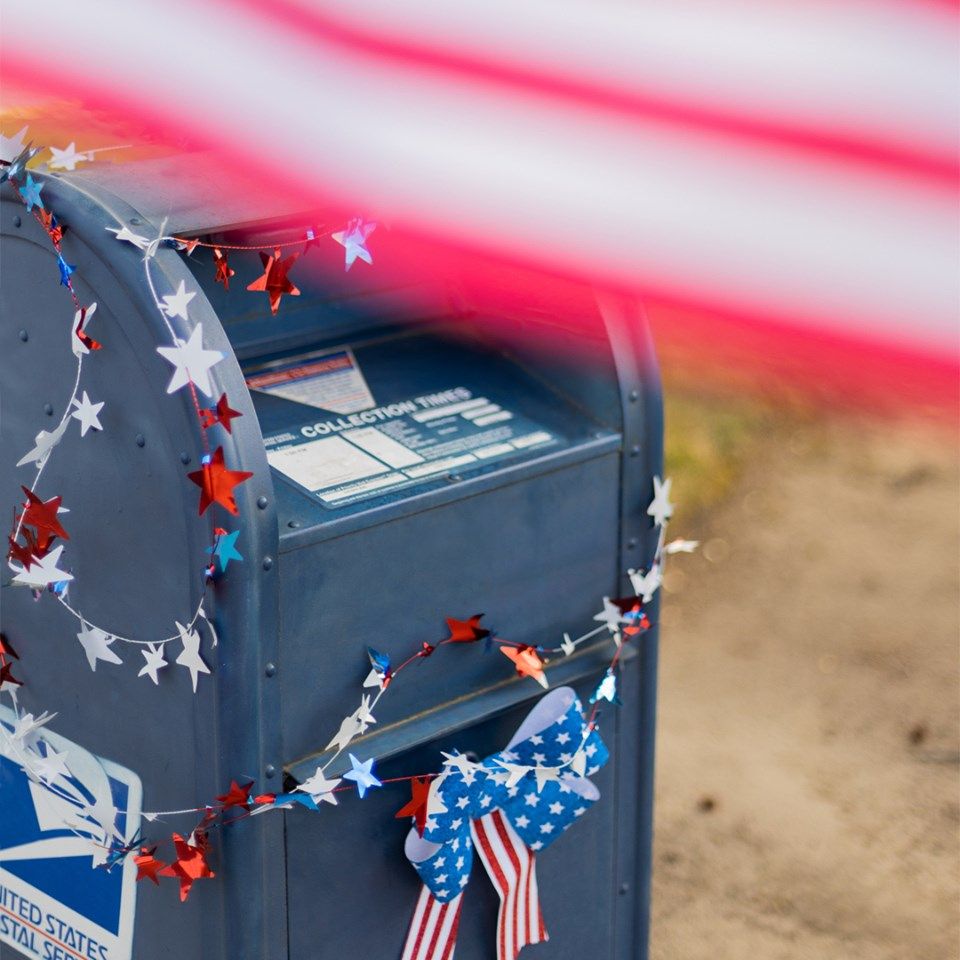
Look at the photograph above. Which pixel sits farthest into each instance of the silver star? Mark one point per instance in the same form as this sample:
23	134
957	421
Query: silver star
349	728
41	573
96	645
175	304
191	361
681	546
645	585
127	235
319	788
11	146
661	509
154	657
567	646
87	413
190	655
67	159
610	615
52	766
44	442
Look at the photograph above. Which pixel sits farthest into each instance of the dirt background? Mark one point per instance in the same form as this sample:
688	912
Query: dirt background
808	747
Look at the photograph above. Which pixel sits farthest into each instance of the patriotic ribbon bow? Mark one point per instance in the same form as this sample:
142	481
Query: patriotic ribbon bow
507	808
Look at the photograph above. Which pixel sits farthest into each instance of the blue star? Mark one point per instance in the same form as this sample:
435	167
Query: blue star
225	549
30	192
607	690
362	775
65	270
353	239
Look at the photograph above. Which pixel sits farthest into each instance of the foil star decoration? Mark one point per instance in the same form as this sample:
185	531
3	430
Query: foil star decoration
681	546
190	655
125	234
237	796
155	661
82	341
567	645
30	191
416	807
190	865
66	269
224	270
353	239
54	228
379	675
188	246
645	585
148	866
222	414
527	662
216	482
11	146
96	645
191	361
661	509
606	689
361	773
274	281
67	159
42	514
6	649
225	549
634	618
466	631
44	442
7	680
52	766
16	168
320	788
87	413
175	304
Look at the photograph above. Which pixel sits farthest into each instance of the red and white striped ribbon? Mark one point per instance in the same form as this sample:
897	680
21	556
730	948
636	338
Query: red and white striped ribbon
433	929
511	866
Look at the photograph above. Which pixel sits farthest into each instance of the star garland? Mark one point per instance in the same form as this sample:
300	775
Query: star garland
35	561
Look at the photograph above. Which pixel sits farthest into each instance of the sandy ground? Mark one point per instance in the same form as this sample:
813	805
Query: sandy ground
808	751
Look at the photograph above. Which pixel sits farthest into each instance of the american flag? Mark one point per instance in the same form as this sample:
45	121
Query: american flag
793	160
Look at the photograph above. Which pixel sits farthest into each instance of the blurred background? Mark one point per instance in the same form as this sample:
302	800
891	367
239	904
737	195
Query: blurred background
778	183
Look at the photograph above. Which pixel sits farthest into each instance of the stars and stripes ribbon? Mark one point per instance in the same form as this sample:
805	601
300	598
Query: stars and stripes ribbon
506	808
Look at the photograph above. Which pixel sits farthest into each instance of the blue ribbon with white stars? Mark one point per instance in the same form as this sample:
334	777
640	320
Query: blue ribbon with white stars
539	807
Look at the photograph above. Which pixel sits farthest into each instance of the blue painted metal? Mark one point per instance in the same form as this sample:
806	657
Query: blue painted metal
534	542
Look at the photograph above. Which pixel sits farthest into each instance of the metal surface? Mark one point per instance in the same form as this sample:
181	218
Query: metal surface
533	542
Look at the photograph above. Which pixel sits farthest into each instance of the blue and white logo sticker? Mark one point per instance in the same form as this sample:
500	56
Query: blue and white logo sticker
58	900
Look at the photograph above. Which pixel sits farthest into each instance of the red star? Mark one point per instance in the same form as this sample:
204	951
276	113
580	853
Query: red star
236	796
53	228
224	270
43	514
222	415
527	662
216	482
23	555
188	245
6	676
632	607
466	631
189	866
82	334
148	866
6	649
274	280
417	805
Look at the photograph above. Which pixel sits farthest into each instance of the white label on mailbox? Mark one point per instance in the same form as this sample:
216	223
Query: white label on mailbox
324	463
347	458
329	381
57	899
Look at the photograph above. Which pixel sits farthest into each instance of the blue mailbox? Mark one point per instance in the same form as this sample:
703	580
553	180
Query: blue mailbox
411	459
